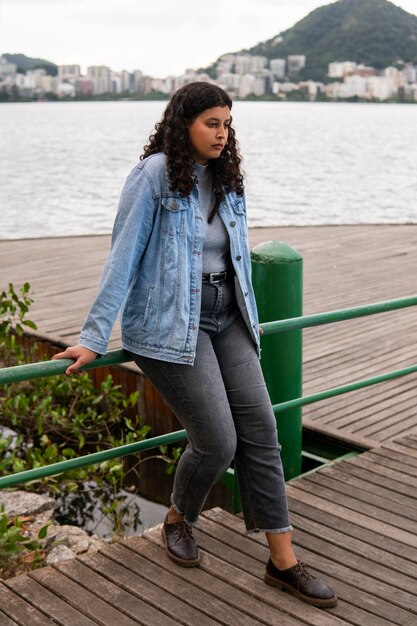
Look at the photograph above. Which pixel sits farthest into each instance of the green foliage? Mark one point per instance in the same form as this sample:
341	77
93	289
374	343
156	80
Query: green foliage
60	418
13	540
372	32
25	63
297	95
14	306
171	457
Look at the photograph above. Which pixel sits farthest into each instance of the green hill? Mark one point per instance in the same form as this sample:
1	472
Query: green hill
373	32
25	63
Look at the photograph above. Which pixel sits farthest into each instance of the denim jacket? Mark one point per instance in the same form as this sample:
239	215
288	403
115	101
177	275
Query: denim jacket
154	270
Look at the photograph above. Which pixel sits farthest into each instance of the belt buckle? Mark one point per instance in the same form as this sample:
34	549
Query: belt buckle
220	276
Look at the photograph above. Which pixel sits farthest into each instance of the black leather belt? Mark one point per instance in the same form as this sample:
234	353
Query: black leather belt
214	277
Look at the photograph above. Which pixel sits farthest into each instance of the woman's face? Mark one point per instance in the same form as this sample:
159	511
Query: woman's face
208	133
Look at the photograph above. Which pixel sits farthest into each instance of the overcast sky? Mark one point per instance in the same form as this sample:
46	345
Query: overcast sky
160	37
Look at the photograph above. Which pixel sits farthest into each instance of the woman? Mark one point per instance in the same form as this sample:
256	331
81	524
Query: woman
179	267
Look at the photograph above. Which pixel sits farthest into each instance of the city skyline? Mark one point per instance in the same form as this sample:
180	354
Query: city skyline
128	35
242	76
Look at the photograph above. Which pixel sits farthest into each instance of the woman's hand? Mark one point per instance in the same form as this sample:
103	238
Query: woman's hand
81	356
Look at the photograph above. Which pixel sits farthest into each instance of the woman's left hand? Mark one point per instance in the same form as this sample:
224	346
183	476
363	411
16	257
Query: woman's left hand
80	355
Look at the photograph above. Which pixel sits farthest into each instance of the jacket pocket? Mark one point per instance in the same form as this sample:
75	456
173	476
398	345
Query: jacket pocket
239	211
239	207
173	214
148	309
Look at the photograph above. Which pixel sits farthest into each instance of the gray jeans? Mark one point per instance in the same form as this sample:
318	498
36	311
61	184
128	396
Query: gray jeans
223	404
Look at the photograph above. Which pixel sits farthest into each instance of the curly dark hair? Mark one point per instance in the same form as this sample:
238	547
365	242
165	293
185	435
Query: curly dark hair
171	137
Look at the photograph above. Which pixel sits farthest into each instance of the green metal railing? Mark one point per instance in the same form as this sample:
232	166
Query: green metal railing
58	367
308	321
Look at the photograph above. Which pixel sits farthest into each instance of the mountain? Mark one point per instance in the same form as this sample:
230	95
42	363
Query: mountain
373	32
25	63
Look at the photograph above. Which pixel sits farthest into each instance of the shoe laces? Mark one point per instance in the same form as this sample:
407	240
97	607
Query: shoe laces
184	531
303	571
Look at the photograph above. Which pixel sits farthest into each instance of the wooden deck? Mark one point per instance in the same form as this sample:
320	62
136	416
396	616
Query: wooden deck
355	522
344	266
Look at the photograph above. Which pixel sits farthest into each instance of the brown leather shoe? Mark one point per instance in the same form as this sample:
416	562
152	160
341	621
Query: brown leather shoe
301	583
180	544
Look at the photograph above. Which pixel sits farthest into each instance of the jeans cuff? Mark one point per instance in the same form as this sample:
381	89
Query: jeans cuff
270	531
177	510
174	506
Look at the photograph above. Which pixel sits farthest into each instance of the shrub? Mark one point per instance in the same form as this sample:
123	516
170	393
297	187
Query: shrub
60	418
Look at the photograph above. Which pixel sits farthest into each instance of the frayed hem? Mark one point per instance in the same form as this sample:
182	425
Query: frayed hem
270	531
174	506
192	524
179	512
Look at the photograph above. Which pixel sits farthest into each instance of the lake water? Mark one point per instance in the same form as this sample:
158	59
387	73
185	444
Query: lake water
62	165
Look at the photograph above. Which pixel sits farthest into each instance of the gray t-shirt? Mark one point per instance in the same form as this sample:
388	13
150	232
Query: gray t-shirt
216	244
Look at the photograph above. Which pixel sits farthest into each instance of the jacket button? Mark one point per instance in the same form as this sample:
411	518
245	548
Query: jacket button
232	223
238	258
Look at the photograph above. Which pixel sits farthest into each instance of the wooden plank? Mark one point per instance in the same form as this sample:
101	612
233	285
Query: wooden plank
333	410
339	556
124	603
366	594
395	513
368	474
194	586
20	611
395	501
78	597
373	405
391	546
363	401
5	620
368	421
403	424
406	462
403	586
400	447
316	429
229	538
366	263
177	605
228	535
384	470
349	606
251	584
336	536
323	382
347	362
34	593
410	441
371	523
315	485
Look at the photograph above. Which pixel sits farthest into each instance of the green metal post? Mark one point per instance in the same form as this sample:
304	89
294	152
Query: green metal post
277	272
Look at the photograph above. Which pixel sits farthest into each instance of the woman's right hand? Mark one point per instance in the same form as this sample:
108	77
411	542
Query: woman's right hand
81	356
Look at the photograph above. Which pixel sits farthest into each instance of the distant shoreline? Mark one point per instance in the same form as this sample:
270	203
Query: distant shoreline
157	97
